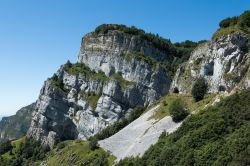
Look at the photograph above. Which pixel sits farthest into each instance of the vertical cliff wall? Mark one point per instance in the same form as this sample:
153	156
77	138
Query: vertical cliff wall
115	73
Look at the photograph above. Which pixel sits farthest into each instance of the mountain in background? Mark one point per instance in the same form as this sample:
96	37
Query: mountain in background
16	126
115	103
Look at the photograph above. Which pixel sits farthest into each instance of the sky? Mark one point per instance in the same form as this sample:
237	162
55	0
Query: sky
37	36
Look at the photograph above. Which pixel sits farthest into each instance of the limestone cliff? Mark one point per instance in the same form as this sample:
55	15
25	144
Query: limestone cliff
108	81
117	71
223	62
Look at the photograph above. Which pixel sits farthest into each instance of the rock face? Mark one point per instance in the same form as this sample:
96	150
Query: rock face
111	78
15	126
224	63
138	136
104	86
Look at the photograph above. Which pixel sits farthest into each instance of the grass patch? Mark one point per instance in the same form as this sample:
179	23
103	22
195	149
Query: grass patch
141	57
75	69
91	98
122	82
58	84
79	153
190	104
24	151
80	68
67	153
226	31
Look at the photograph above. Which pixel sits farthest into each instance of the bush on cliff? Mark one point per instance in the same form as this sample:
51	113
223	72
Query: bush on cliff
177	110
199	89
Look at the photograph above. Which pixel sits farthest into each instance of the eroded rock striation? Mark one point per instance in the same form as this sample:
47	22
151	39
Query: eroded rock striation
117	71
224	63
107	82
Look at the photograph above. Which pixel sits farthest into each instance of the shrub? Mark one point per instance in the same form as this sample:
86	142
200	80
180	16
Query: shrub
244	20
4	147
57	83
177	110
26	152
218	135
93	143
228	22
61	145
199	89
176	90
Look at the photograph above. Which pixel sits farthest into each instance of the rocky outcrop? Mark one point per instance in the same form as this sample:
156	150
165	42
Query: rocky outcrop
116	42
110	78
223	62
15	126
107	82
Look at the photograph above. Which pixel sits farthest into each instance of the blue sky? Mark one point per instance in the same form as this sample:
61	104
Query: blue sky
36	37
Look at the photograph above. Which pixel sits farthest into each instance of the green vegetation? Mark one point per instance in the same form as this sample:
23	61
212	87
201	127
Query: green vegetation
234	24
142	57
166	101
79	153
218	135
93	143
17	125
199	89
122	82
5	147
156	40
228	22
75	69
91	98
25	151
117	126
58	83
177	110
177	53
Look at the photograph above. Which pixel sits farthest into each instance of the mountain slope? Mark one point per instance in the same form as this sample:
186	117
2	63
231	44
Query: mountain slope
15	126
224	62
117	70
139	135
218	135
120	68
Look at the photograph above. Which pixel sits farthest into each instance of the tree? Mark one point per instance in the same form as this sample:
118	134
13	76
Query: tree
177	110
93	143
228	22
68	64
199	89
244	20
4	147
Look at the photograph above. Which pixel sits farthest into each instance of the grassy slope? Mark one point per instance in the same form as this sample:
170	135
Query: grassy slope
218	135
78	153
239	24
190	104
70	152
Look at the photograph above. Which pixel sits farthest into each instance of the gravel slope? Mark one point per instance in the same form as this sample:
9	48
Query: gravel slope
138	136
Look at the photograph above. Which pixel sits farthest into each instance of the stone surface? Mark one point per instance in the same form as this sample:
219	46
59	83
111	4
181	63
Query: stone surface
224	63
68	113
138	136
72	112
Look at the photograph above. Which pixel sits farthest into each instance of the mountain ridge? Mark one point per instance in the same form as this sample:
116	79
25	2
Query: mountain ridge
120	68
